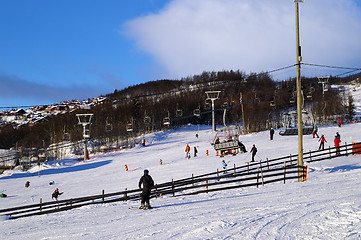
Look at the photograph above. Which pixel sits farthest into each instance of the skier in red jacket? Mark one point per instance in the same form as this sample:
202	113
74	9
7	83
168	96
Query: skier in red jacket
322	144
337	142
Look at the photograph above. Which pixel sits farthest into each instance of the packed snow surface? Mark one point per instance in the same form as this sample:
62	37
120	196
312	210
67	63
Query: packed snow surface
326	206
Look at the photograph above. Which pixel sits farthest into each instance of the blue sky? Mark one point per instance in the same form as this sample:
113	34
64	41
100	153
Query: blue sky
52	51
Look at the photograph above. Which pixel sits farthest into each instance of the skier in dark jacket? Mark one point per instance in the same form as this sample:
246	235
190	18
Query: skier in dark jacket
271	132
56	194
253	151
148	184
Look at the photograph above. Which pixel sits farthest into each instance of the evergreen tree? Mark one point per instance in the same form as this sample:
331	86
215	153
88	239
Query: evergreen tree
350	109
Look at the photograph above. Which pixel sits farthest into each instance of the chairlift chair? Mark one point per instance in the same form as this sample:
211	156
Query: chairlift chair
290	123
197	112
129	127
226	140
108	127
179	113
166	121
146	120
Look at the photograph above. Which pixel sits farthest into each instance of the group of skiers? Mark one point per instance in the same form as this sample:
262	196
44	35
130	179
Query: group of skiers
337	141
188	151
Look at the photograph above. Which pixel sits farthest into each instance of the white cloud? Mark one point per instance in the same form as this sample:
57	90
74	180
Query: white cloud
191	36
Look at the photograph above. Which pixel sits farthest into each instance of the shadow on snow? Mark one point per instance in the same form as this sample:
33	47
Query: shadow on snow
51	171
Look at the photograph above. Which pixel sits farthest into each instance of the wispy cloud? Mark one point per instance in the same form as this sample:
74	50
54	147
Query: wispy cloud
191	36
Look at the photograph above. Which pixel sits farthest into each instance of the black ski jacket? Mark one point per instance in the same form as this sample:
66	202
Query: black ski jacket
147	182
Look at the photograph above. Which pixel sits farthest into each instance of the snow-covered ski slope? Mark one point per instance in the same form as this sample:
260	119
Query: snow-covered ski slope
326	206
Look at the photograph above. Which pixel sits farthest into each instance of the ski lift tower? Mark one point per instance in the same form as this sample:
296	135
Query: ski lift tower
84	119
299	90
213	95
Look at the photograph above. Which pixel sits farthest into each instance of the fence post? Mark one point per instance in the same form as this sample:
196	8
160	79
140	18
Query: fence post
173	187
217	173
267	164
103	195
284	172
234	166
329	151
346	147
248	166
291	158
310	155
257	176
192	179
41	201
207	185
125	194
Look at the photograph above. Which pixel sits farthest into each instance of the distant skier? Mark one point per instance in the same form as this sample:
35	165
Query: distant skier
56	194
224	165
337	142
271	132
195	151
314	133
339	122
253	151
241	146
322	143
148	184
187	150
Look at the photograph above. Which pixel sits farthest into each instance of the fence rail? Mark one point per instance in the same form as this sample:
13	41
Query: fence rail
251	175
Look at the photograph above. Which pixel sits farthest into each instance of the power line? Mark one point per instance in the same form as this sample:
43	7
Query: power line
328	66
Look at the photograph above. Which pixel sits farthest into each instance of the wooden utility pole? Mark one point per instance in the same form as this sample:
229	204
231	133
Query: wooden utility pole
299	94
243	122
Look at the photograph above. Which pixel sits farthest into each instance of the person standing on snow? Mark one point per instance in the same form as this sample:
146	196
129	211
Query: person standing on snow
148	184
339	122
338	136
188	149
195	151
253	151
56	194
322	143
315	132
271	132
337	142
224	164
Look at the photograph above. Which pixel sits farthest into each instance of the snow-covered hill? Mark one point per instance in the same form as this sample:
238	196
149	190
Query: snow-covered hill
326	206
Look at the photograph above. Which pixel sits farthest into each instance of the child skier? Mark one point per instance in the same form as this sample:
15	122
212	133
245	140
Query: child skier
224	164
322	143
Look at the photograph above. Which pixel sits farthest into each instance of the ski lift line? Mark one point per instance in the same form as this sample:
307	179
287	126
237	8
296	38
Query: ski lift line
347	72
327	66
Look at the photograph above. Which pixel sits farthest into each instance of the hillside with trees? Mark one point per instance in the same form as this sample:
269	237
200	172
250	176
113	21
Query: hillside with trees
145	107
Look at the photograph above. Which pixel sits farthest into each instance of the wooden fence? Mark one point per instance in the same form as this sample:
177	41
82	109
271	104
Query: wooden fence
251	175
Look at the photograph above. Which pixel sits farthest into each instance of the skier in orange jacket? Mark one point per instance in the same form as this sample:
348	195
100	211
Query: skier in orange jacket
188	149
